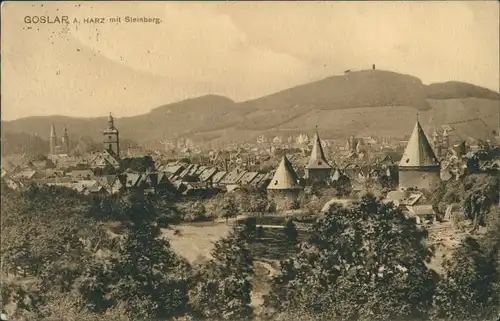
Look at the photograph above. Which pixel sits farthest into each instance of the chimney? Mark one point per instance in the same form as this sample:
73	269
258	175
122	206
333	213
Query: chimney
373	66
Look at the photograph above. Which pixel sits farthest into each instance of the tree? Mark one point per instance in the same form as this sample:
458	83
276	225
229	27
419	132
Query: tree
146	274
229	208
469	289
196	212
224	284
47	233
368	256
480	192
249	230
291	233
342	186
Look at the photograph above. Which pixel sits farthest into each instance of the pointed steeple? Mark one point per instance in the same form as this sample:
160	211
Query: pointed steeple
52	131
111	122
285	177
418	152
65	132
317	160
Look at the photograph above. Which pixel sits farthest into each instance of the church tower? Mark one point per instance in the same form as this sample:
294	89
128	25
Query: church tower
419	167
65	141
111	140
53	140
318	170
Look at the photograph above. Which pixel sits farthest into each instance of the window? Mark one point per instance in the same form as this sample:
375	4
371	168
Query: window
110	146
109	137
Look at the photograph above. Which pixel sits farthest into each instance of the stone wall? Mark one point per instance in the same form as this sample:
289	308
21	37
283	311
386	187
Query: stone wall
284	200
427	179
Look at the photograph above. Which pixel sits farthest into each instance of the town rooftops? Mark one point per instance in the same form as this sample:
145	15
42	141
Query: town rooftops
207	174
247	178
218	177
233	177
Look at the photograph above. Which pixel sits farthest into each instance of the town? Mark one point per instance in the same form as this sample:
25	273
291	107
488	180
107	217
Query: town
250	161
286	170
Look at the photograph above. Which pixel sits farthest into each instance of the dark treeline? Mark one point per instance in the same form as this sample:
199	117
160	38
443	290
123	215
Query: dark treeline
63	260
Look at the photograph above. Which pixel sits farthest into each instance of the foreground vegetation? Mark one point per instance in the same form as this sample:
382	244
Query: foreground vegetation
366	262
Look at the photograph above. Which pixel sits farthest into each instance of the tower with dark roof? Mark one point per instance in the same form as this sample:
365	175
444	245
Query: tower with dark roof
419	167
111	140
318	170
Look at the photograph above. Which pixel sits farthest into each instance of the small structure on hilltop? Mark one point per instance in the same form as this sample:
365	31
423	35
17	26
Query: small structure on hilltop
284	187
318	170
419	167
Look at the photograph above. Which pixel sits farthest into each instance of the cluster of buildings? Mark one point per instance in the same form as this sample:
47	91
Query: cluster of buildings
419	168
419	171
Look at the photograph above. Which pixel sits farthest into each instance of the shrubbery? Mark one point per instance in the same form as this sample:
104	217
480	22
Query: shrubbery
365	262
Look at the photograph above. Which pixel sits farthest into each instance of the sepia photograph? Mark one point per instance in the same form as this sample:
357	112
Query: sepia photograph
250	160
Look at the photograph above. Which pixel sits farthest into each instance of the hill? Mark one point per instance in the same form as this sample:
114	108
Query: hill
369	102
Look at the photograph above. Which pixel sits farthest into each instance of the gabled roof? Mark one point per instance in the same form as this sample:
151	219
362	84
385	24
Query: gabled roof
233	177
207	174
317	160
130	179
257	180
418	152
421	209
81	173
218	177
247	178
285	177
175	169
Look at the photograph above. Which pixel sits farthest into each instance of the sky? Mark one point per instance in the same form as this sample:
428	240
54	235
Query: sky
238	50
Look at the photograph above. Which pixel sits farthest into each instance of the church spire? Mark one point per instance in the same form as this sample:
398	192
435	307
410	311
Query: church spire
317	159
53	140
111	121
52	131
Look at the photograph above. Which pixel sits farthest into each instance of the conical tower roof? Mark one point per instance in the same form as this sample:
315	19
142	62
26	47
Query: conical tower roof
317	159
418	152
285	177
52	131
